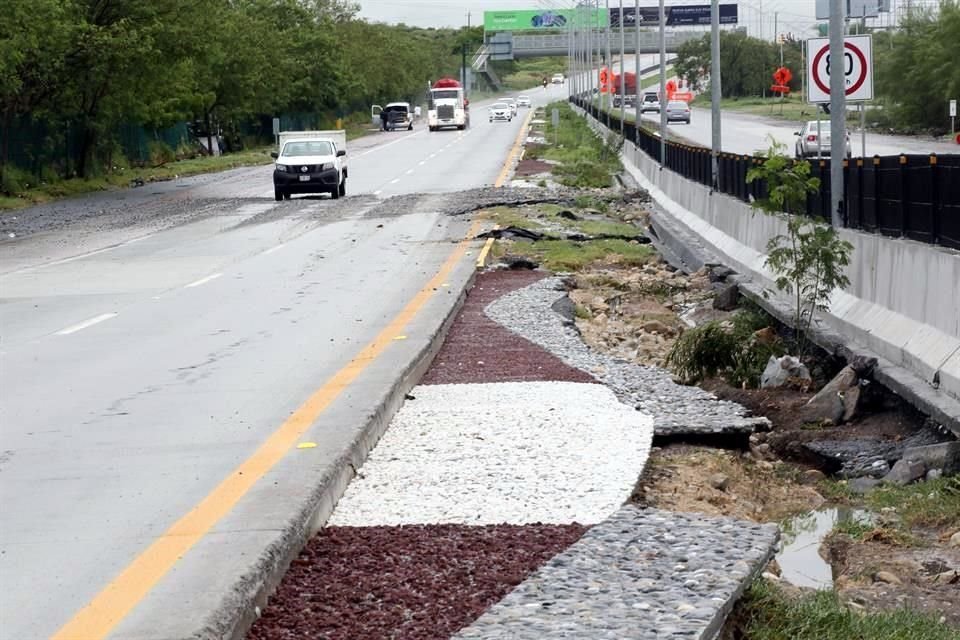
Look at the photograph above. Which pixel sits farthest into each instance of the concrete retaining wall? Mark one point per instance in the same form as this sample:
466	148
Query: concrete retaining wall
903	301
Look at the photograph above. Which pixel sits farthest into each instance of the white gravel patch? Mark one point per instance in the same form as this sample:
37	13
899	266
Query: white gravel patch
513	452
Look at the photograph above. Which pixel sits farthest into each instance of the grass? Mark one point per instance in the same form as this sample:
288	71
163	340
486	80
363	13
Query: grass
766	613
586	161
566	255
529	73
122	177
792	108
931	504
507	217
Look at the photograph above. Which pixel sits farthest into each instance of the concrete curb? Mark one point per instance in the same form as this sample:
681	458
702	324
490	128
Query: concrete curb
270	568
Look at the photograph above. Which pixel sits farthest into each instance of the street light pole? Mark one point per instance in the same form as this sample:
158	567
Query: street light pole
636	71
838	109
608	104
715	91
663	86
623	75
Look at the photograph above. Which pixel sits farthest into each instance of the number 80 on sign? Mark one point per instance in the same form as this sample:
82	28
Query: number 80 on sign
857	69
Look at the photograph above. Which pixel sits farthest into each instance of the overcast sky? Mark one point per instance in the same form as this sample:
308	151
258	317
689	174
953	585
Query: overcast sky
795	15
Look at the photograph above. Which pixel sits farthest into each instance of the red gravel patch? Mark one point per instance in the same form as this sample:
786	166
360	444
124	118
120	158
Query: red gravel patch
413	582
477	349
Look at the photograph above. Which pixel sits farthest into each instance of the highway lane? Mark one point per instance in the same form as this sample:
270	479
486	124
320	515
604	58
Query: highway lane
141	363
747	134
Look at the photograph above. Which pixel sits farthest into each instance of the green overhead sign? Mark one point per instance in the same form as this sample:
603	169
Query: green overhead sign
542	20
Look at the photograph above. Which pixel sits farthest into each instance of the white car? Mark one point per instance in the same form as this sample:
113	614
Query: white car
501	111
309	165
510	102
810	144
557	78
523	101
650	102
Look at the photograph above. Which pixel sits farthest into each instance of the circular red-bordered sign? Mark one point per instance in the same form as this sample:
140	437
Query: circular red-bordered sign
855	51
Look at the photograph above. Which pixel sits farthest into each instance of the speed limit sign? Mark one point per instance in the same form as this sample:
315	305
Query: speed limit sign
857	68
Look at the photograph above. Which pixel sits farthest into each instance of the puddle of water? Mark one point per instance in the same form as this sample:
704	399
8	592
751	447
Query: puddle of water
799	555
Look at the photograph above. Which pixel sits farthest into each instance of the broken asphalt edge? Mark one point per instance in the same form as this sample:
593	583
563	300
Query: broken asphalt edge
303	501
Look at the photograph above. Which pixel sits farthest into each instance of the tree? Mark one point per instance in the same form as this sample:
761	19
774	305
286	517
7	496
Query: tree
810	259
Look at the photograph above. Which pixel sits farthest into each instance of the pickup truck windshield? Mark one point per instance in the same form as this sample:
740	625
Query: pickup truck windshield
308	148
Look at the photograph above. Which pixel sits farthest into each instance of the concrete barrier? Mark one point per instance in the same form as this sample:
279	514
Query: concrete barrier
903	302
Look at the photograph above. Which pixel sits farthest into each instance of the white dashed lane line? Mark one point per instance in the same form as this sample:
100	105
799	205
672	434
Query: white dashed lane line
203	281
395	181
86	324
272	249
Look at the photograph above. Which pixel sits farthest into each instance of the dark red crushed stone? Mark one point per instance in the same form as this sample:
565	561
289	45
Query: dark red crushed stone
413	582
506	357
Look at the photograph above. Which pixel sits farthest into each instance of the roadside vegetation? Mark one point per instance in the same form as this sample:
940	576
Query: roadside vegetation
580	157
767	612
521	75
90	88
914	72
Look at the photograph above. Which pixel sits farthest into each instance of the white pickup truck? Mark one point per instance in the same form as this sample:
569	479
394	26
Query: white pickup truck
310	162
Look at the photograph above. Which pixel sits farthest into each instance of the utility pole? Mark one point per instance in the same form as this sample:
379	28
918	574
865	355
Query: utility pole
608	63
776	32
636	72
838	111
663	86
623	75
715	91
761	19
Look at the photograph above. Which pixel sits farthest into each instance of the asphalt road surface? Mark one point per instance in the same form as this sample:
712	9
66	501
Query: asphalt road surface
747	133
152	339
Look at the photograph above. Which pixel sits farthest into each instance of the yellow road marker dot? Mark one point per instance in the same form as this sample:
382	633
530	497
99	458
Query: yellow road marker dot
307	445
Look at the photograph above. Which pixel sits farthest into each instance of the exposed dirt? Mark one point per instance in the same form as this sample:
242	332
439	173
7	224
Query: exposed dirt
633	312
528	167
928	578
399	583
678	478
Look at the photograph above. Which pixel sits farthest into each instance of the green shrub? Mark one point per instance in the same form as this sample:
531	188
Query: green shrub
729	350
161	153
15	181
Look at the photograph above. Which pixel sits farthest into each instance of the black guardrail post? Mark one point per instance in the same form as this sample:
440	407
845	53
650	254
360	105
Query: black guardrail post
904	207
935	211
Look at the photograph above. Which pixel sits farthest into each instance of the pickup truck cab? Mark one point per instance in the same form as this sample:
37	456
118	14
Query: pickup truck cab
309	165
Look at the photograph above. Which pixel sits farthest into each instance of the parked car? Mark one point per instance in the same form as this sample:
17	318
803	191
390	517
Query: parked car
810	144
501	111
510	102
523	101
678	111
557	78
650	102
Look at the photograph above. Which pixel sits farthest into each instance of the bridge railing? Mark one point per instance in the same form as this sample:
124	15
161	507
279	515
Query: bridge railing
911	196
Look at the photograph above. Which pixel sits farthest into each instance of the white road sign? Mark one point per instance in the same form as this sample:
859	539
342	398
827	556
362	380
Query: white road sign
857	68
953	108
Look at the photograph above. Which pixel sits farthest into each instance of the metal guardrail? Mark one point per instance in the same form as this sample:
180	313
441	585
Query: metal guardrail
911	196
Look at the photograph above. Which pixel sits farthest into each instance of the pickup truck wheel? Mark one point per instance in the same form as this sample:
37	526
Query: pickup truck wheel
286	195
277	195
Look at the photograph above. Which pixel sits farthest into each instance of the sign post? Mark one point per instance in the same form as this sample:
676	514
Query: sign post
276	130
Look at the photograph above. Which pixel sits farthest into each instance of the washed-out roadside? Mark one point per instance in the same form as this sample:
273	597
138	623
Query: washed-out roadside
612	317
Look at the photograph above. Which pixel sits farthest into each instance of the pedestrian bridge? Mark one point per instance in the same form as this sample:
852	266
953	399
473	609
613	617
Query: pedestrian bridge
507	45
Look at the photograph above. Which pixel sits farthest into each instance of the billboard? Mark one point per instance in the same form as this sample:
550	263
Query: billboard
678	16
854	8
538	20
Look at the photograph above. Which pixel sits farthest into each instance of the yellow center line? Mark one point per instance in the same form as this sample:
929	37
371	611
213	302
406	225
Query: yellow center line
518	143
109	607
